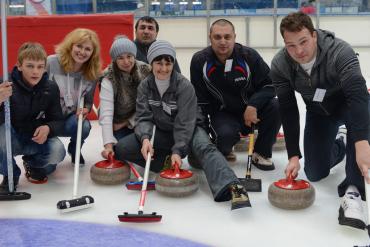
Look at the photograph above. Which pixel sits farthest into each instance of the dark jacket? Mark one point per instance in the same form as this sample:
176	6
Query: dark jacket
176	111
337	70
33	107
247	82
142	52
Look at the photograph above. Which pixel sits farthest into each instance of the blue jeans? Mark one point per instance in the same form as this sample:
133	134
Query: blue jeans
322	150
44	156
70	130
217	170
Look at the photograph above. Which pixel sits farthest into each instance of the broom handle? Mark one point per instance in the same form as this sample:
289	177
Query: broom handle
136	173
146	175
78	148
250	152
9	157
367	194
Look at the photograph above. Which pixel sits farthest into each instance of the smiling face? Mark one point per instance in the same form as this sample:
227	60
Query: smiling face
162	69
81	53
32	71
222	41
301	45
125	62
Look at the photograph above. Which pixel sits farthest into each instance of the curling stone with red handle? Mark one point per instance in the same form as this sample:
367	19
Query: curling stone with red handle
110	171
176	182
291	194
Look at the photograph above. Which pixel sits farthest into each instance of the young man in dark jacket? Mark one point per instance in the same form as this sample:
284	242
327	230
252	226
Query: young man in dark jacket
326	72
233	87
146	31
36	118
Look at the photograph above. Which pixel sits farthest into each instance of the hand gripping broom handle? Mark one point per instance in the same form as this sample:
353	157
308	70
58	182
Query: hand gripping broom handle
250	152
6	103
146	175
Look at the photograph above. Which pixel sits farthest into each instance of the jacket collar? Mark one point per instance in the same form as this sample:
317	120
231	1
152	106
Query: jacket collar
16	77
173	80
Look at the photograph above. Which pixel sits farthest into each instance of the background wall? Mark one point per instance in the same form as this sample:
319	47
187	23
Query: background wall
189	35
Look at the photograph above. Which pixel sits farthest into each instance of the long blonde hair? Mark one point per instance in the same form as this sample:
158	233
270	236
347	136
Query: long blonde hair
91	68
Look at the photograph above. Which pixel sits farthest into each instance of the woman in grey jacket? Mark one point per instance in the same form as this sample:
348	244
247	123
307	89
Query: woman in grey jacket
75	68
118	92
167	99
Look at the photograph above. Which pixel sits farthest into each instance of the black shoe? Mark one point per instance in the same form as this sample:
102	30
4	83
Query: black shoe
239	196
4	186
34	175
231	157
72	152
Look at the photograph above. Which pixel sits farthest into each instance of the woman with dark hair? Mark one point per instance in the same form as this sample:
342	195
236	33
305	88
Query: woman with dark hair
118	92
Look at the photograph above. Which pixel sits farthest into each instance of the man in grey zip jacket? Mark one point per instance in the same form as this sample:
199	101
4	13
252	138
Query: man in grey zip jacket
233	87
326	72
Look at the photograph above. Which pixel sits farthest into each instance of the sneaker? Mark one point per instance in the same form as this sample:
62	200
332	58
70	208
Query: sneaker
351	211
4	186
239	196
231	157
34	175
342	134
72	152
262	163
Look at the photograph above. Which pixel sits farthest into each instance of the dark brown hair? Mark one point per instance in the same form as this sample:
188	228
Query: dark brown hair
295	22
148	19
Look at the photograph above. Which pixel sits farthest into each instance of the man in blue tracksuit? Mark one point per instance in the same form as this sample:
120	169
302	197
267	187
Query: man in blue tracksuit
233	87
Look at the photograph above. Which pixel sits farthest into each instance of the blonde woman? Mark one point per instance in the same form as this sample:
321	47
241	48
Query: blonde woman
75	68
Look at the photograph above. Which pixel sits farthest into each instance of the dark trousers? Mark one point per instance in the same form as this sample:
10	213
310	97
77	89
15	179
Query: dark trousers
228	127
128	148
218	172
119	134
70	130
322	150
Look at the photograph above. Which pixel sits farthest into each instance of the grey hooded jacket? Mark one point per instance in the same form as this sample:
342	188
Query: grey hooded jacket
176	111
337	70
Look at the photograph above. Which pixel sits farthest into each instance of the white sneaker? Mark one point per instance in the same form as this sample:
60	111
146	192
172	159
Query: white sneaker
351	211
262	163
342	133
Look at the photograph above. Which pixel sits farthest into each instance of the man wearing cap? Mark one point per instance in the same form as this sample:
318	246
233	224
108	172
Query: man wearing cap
146	32
166	99
233	87
118	92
